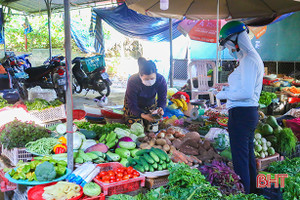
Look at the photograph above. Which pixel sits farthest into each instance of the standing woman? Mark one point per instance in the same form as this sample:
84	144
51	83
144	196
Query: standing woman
142	90
245	84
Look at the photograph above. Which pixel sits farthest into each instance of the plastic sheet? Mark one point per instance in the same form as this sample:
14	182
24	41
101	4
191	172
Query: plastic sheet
38	92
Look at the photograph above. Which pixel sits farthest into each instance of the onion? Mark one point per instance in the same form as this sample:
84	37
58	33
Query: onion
171	131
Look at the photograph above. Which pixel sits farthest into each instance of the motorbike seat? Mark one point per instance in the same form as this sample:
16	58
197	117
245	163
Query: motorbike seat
37	71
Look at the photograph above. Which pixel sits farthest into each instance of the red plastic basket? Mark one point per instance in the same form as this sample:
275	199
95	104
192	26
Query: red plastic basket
112	113
100	197
78	114
36	192
119	187
5	184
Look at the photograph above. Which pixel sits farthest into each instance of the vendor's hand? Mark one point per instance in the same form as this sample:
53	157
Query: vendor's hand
160	111
147	117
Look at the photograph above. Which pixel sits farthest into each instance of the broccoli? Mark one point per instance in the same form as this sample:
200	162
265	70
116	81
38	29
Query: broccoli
45	172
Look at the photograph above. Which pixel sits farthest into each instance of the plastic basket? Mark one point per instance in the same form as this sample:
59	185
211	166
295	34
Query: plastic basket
91	63
50	114
78	114
263	163
152	183
119	187
270	88
17	154
5	184
52	124
100	197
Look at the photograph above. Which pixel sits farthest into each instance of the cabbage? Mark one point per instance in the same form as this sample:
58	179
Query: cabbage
78	138
122	132
137	129
87	143
91	189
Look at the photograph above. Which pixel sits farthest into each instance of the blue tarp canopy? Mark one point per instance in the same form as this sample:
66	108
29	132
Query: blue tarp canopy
132	24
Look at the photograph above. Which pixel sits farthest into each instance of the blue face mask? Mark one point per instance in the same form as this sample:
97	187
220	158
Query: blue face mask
233	54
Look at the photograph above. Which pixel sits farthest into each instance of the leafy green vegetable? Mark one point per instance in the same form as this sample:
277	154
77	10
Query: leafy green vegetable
137	129
121	197
45	172
292	188
41	104
286	141
266	98
287	166
91	189
3	102
242	196
17	134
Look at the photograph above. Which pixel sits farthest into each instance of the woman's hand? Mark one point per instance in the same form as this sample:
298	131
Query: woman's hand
160	111
147	117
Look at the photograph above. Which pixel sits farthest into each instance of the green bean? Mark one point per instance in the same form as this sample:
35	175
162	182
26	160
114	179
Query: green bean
43	146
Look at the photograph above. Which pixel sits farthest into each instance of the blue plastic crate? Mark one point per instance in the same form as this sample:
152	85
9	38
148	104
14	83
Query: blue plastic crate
91	63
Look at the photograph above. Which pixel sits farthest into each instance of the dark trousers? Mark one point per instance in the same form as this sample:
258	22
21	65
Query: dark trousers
241	126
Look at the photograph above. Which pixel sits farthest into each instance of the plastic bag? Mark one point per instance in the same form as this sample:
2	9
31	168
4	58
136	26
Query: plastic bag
214	132
38	92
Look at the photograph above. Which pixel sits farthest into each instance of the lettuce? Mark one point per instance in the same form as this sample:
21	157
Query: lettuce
137	129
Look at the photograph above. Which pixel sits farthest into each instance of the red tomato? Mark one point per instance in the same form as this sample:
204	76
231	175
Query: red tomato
103	173
112	177
111	173
125	173
122	170
118	179
111	181
126	177
105	178
119	175
106	181
130	175
135	176
119	170
129	170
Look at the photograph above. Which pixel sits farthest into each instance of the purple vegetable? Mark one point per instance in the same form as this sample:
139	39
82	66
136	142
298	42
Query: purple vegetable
97	147
124	139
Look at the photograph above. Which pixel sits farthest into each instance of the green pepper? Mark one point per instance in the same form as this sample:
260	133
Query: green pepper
26	169
60	170
34	163
53	161
12	172
47	158
30	176
22	176
16	176
62	163
34	176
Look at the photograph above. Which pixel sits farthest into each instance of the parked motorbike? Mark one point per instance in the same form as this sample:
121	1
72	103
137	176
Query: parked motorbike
97	80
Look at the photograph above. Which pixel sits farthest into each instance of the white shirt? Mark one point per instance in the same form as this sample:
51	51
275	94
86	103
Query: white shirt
245	83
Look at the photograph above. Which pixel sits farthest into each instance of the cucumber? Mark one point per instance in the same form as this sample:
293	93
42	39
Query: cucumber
85	157
160	153
161	162
148	158
155	165
154	156
138	162
102	138
92	156
115	157
139	168
127	145
151	169
123	153
168	160
111	144
141	152
99	154
124	162
131	161
133	152
159	168
79	160
88	134
164	165
111	137
99	160
145	163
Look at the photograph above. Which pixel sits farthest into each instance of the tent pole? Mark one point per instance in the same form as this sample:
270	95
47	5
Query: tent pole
69	97
48	4
217	42
171	53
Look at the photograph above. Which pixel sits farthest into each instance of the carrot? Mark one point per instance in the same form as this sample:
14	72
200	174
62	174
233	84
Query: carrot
176	159
196	160
181	156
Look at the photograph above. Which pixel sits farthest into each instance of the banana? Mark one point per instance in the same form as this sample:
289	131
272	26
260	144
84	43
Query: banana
179	103
185	107
174	102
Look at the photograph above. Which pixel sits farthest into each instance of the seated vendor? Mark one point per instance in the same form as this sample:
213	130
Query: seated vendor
141	92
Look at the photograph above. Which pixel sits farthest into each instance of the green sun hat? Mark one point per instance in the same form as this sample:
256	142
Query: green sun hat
229	29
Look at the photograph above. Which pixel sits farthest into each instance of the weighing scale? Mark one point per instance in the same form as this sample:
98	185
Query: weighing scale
199	108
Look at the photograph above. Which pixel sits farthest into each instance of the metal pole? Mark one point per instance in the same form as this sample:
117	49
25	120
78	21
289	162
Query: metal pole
171	53
69	97
48	4
216	71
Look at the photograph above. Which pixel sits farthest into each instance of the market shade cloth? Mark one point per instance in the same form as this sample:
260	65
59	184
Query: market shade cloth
34	6
132	24
207	9
202	30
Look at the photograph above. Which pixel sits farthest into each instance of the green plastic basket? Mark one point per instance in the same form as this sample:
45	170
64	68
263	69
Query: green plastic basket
89	64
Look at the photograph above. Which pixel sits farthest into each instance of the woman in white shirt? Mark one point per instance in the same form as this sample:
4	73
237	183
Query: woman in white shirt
242	95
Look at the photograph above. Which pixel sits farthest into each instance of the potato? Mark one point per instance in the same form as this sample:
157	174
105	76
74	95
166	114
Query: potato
161	134
172	149
193	135
177	143
151	135
161	142
166	147
145	146
178	135
152	142
206	144
158	146
170	137
168	141
171	131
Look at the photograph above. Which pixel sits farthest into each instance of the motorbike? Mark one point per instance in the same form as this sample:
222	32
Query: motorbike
48	76
97	80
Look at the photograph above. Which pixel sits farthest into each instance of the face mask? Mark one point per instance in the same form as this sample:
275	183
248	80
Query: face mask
232	50
233	54
148	82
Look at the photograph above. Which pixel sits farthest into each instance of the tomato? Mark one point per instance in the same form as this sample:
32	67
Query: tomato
119	175
130	175
129	170
135	176
125	173
126	177
111	173
112	177
105	178
119	170
118	179
103	173
106	181
122	170
111	181
136	173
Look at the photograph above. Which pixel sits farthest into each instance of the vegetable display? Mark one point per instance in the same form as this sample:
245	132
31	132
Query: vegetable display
17	134
266	98
41	104
262	147
46	169
224	178
92	156
3	102
62	191
117	175
43	146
